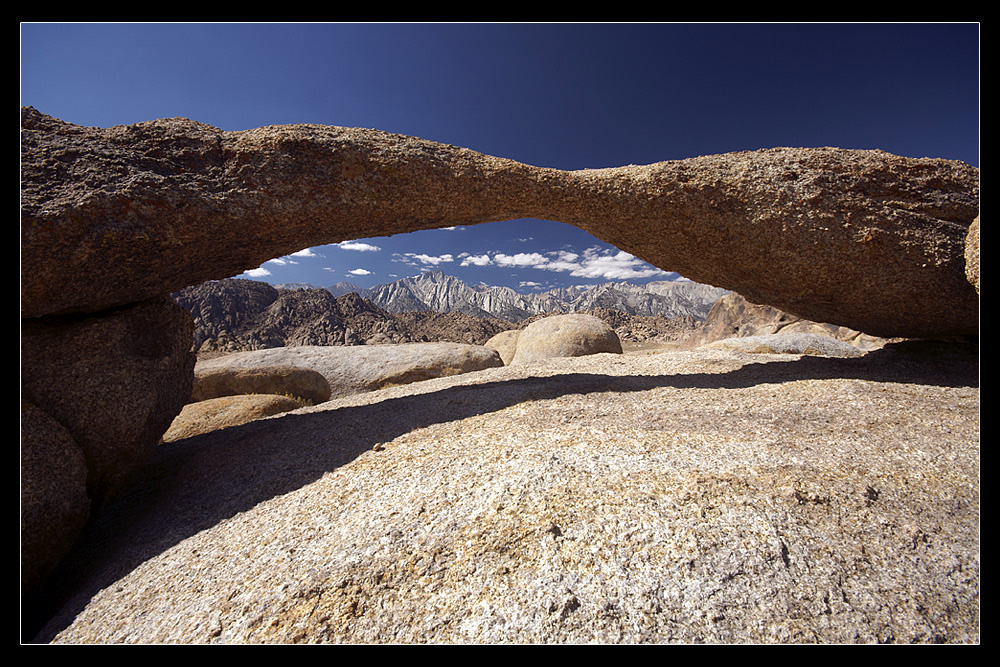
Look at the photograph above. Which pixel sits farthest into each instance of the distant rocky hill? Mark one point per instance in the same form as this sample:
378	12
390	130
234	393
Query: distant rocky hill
439	292
236	315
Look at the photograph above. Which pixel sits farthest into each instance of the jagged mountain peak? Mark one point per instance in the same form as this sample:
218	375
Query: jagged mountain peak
437	291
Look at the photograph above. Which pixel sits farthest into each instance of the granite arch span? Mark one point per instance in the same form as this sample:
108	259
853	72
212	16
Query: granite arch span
863	239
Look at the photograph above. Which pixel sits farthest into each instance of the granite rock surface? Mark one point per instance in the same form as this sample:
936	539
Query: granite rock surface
708	496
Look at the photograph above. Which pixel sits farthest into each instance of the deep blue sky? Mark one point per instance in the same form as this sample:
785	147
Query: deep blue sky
568	96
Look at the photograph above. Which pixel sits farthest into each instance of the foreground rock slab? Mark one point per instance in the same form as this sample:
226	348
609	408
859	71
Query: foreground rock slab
214	381
863	239
359	368
704	496
791	343
221	412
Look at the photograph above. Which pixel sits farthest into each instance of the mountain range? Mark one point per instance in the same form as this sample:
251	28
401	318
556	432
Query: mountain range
439	292
235	314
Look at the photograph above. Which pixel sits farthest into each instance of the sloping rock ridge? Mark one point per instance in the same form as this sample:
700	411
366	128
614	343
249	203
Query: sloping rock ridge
791	343
733	316
222	412
301	383
358	369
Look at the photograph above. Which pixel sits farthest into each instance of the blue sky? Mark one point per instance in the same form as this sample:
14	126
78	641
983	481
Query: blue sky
568	96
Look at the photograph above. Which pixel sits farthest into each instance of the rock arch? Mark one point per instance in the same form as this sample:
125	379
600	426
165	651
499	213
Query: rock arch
114	220
863	239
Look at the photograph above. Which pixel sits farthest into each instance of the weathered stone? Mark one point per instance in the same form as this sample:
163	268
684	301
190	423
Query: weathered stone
361	368
972	254
225	411
54	502
862	239
505	343
571	335
114	382
213	382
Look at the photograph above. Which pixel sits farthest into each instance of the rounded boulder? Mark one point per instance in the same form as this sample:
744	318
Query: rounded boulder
572	335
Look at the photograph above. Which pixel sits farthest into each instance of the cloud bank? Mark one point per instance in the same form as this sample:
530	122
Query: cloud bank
594	263
420	259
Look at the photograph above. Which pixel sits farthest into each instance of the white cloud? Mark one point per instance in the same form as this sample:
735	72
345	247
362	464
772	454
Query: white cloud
308	252
257	273
476	260
532	259
432	260
564	261
359	246
360	272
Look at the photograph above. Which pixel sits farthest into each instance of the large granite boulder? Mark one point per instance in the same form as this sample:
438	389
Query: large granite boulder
505	343
114	382
100	392
570	335
863	239
360	368
54	502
